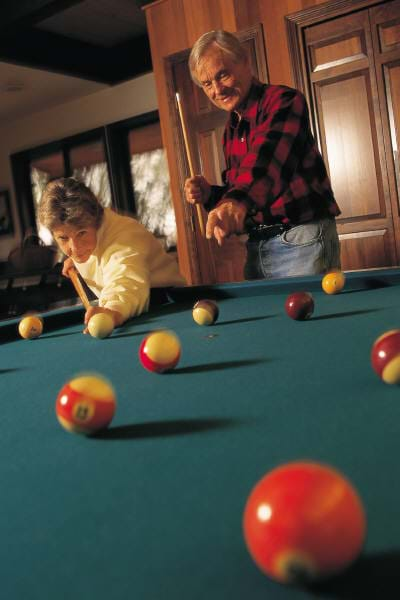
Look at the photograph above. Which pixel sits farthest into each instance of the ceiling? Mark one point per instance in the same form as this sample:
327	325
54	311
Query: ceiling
52	51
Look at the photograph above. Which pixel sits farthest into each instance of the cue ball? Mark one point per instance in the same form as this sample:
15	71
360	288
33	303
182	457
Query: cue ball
333	282
160	351
385	356
205	312
30	327
299	306
303	521
101	325
86	404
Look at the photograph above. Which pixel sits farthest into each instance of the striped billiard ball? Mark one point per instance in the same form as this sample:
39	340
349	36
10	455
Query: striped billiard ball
385	356
160	351
86	404
205	312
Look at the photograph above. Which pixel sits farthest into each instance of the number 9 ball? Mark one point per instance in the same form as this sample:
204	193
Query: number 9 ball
86	404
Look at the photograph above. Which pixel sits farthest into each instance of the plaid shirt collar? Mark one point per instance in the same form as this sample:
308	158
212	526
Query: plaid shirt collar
249	109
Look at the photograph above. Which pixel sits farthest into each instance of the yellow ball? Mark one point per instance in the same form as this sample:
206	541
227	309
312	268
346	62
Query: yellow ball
101	325
333	282
30	327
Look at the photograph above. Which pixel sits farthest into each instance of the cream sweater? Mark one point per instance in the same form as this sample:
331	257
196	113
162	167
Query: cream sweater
127	261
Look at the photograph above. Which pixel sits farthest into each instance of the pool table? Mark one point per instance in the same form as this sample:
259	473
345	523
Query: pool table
151	508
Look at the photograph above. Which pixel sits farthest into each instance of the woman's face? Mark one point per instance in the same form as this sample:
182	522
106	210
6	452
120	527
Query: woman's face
76	242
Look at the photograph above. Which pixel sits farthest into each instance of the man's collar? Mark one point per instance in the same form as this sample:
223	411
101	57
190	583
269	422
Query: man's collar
245	110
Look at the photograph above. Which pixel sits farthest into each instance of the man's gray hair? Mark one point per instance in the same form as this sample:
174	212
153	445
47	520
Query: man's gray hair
228	43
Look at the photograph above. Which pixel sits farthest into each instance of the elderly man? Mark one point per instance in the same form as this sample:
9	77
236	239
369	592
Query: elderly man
276	186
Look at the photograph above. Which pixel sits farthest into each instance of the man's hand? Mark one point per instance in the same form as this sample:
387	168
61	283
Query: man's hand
226	219
94	310
68	264
197	190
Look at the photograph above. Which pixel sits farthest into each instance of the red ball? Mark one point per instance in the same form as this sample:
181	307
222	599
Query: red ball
303	521
385	356
86	404
299	306
160	351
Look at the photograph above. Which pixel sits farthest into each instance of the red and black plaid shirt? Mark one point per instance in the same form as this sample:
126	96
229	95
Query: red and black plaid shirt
273	163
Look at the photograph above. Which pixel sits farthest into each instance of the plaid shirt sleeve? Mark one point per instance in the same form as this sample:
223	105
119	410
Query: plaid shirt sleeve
273	163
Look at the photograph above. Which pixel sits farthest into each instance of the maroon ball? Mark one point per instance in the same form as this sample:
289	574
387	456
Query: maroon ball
299	306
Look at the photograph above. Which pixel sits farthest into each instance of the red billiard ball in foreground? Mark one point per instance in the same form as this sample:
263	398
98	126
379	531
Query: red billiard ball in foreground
333	282
160	351
385	356
86	404
205	312
299	306
303	521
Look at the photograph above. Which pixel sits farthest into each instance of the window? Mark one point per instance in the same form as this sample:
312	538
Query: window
124	164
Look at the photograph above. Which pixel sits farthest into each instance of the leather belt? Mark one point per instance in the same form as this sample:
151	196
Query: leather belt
266	232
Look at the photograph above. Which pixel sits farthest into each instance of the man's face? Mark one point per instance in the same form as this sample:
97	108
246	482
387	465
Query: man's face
225	82
76	242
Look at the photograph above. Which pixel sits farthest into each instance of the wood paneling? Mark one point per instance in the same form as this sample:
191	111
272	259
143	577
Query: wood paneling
353	164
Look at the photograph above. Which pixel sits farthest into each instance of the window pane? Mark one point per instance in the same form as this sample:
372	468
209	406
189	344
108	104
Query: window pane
41	171
88	164
150	180
152	195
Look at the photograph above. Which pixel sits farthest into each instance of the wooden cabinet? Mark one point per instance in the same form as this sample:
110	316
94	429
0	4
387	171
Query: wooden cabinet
354	72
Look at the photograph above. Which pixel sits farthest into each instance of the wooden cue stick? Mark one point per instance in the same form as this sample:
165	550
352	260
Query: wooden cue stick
189	158
73	274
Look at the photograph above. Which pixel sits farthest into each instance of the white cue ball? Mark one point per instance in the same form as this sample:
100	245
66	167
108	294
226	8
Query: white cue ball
101	325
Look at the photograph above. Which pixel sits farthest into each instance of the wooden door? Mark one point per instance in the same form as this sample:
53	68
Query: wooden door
347	99
205	125
385	25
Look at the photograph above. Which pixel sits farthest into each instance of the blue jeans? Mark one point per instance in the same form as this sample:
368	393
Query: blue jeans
309	249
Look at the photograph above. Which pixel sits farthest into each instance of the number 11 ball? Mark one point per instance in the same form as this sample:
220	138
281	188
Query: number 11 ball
86	404
385	356
303	521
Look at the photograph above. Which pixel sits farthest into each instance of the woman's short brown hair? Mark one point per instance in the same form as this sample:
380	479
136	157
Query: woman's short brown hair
66	201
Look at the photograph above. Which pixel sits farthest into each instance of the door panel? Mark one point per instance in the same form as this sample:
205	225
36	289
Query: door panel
385	25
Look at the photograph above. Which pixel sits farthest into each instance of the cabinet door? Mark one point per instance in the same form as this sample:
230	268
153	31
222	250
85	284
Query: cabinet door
205	126
349	126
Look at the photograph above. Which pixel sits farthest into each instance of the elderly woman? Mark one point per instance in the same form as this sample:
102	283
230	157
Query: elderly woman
116	256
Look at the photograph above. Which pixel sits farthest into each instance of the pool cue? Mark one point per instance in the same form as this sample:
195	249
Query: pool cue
189	159
73	274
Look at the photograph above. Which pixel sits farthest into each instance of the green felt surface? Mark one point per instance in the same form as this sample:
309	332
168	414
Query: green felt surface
152	508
